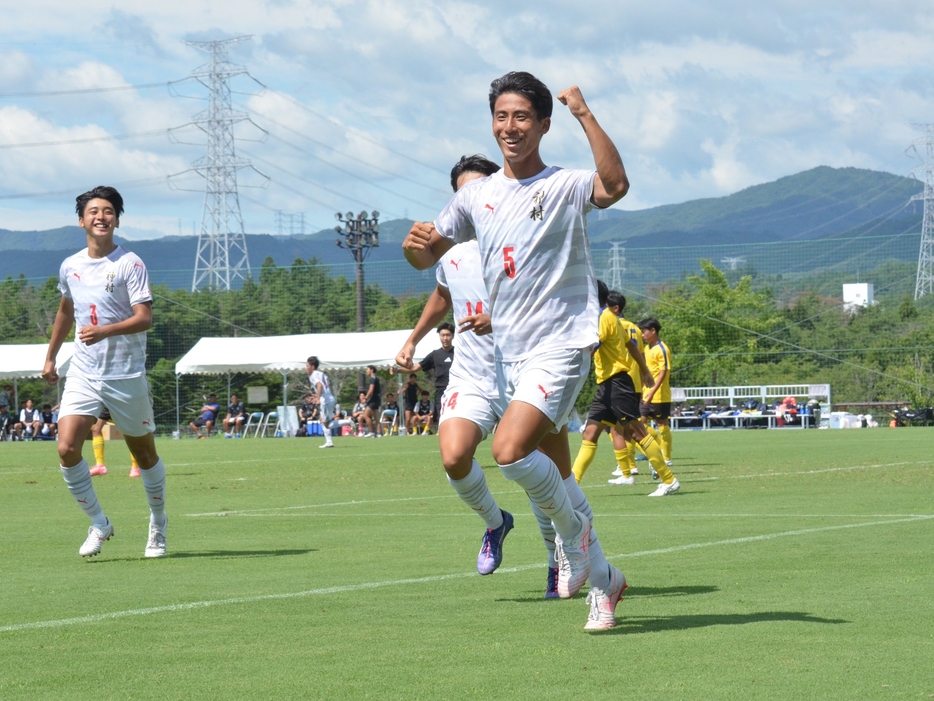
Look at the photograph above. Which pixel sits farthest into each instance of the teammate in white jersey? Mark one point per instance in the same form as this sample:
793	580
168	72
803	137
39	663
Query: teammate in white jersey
322	386
531	227
105	293
471	405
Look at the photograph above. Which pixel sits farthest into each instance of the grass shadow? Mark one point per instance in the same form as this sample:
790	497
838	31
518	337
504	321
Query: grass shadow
640	591
216	554
630	626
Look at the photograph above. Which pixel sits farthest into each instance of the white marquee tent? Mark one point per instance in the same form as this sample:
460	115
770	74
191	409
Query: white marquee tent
284	354
21	362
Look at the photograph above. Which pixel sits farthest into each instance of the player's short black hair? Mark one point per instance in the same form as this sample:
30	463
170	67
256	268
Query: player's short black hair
602	292
425	393
446	326
472	164
650	323
526	85
103	192
313	361
615	299
413	374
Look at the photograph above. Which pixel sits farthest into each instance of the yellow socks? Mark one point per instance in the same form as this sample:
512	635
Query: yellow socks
665	433
98	443
652	432
653	452
585	456
624	459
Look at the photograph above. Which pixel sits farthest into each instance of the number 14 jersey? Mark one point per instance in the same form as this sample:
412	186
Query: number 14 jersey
535	257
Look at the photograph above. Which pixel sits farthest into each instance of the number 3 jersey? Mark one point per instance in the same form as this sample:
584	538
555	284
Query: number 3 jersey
535	257
459	272
104	291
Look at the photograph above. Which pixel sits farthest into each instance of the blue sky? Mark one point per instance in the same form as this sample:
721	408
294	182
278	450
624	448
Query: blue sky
368	104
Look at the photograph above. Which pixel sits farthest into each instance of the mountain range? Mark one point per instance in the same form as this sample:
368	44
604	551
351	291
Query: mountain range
823	202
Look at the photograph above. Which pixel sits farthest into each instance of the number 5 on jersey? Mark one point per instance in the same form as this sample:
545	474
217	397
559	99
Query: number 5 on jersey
509	263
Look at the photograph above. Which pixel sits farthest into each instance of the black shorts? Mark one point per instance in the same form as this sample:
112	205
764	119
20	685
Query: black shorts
616	401
375	403
105	414
410	407
653	410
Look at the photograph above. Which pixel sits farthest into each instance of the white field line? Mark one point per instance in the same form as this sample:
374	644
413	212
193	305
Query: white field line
93	618
599	517
363	502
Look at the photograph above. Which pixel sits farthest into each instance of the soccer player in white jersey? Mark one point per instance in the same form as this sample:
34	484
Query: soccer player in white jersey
322	386
530	223
471	407
105	293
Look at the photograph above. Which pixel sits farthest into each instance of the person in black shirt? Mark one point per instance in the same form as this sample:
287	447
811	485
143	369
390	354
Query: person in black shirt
49	424
423	414
439	362
410	395
236	415
6	423
374	400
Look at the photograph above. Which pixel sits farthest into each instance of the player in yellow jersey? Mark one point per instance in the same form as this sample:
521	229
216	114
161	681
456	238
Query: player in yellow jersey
617	400
656	398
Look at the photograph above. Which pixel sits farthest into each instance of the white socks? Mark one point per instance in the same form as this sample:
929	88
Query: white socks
539	477
599	567
548	532
154	483
78	479
473	491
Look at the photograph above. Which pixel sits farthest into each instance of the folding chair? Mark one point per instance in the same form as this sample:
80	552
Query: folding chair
264	427
388	418
257	417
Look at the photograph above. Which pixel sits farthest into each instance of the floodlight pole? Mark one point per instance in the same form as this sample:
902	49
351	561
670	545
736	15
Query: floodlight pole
361	233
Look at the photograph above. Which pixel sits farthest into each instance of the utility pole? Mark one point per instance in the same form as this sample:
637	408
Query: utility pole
924	282
615	266
361	234
221	261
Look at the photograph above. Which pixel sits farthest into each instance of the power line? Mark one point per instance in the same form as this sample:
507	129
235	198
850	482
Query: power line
89	91
87	140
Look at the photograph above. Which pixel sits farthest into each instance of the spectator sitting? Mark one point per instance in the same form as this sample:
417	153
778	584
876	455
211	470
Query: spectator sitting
30	422
359	413
423	413
787	412
49	423
208	417
339	420
390	416
307	413
236	416
6	423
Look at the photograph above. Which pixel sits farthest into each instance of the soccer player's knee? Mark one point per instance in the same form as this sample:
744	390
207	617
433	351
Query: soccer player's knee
506	452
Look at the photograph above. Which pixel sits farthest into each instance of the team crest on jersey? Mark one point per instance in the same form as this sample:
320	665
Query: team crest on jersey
109	287
537	211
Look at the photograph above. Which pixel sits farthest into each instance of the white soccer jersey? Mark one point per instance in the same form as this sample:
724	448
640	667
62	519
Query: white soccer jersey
535	257
318	376
104	291
459	271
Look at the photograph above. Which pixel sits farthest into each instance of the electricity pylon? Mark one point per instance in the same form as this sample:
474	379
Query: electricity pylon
615	266
924	282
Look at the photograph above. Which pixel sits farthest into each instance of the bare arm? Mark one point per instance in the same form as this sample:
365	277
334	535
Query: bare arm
64	320
658	383
436	308
424	246
139	322
611	183
640	361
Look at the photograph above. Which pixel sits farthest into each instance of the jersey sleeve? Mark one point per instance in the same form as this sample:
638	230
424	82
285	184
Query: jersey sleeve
455	223
580	189
63	282
137	281
428	362
440	275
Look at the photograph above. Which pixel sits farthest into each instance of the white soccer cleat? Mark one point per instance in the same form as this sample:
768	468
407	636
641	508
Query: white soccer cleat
155	546
96	537
634	471
623	480
618	472
669	463
573	560
326	445
665	489
603	602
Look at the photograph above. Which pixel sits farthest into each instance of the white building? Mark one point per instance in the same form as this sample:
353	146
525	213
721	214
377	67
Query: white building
856	295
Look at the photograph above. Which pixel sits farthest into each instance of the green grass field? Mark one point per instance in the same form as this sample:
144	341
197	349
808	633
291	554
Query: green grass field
792	565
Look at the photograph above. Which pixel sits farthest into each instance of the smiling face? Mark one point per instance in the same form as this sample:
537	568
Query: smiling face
99	220
518	133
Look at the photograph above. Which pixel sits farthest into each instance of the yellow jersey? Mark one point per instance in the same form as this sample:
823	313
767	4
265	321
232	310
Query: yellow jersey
633	333
611	355
658	358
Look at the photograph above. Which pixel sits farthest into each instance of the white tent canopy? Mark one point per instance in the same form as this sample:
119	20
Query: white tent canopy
347	351
21	362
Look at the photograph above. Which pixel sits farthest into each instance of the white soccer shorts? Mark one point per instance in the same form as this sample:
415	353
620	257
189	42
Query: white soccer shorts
462	400
549	381
129	401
